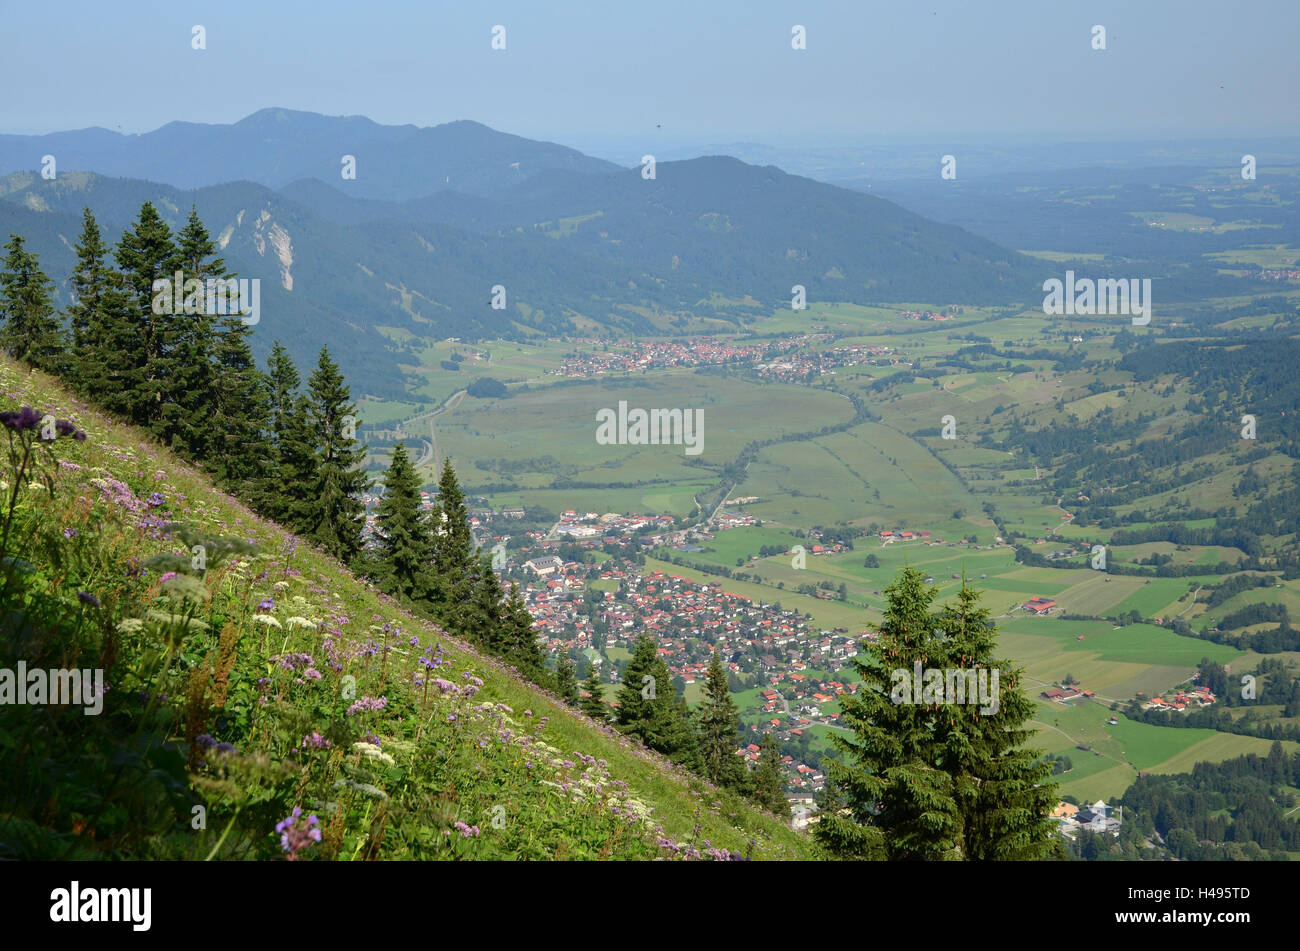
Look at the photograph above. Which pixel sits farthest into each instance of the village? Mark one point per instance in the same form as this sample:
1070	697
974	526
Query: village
782	672
784	360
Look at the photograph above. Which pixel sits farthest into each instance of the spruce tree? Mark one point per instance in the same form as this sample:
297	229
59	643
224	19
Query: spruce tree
29	329
769	781
640	684
191	411
240	412
336	514
143	344
456	566
1003	794
718	725
96	316
402	541
525	653
593	704
566	684
481	617
284	491
670	732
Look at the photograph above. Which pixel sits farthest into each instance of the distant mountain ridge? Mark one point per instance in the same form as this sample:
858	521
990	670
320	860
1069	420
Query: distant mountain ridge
567	236
274	147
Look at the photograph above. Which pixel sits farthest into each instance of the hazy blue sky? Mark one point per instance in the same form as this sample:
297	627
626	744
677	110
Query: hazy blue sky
703	70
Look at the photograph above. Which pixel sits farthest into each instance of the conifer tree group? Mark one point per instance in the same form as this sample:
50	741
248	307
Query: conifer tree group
429	560
189	379
936	780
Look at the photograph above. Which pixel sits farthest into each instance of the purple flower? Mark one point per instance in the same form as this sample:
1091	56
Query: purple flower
267	604
205	741
26	418
156	499
315	741
368	703
295	837
70	533
467	832
85	597
294	661
167	576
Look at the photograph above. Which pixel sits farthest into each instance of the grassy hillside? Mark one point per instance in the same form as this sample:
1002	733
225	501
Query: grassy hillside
266	679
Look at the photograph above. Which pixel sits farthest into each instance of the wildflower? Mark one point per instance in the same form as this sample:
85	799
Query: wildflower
224	748
205	741
466	832
368	703
315	741
70	533
167	576
294	661
26	418
156	499
87	598
293	836
266	604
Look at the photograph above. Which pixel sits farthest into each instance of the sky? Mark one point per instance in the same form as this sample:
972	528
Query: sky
597	74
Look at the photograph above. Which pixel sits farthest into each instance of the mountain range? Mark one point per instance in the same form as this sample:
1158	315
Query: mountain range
436	217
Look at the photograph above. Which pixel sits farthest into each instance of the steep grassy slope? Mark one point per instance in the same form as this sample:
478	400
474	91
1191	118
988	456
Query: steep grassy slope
269	679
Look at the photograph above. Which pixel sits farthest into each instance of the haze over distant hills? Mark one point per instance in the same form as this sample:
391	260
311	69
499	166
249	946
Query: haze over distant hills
276	146
436	217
